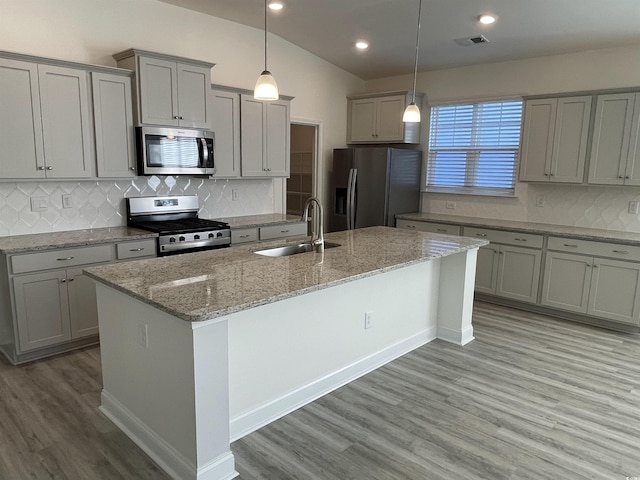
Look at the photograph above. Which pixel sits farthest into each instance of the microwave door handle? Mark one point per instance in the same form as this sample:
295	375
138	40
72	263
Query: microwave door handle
205	152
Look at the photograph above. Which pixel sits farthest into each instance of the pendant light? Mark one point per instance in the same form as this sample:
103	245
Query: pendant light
266	88
412	112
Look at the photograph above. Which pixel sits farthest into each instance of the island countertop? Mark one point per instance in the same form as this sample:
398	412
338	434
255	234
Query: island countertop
204	285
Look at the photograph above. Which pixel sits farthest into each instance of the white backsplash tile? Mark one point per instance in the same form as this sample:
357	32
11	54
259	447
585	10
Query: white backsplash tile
592	206
100	203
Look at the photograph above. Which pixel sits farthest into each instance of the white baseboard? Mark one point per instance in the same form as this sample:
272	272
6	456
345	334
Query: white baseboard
169	459
248	422
456	336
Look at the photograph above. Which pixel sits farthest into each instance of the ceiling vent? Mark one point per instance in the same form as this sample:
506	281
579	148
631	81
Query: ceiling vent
465	42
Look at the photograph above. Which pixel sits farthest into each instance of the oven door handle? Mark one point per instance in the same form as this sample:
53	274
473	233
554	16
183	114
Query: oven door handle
172	247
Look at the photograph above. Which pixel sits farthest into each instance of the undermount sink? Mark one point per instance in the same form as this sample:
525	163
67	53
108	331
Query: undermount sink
292	249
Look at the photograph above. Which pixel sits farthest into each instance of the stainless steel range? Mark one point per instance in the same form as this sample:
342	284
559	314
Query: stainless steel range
176	221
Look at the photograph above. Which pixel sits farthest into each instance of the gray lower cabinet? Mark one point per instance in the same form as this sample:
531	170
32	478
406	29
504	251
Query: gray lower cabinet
48	304
54	307
268	232
599	287
432	227
508	271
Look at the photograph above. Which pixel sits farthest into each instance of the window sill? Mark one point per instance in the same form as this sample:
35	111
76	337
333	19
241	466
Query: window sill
481	192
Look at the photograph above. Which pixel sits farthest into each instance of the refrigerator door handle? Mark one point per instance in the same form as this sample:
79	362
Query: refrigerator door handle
352	212
348	212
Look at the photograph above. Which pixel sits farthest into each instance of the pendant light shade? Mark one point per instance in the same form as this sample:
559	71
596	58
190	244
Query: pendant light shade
266	88
412	112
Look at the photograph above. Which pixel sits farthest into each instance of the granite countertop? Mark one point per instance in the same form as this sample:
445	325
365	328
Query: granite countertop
205	285
627	238
70	238
248	221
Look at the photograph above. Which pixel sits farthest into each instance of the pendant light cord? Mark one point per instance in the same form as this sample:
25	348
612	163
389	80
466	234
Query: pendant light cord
265	35
415	70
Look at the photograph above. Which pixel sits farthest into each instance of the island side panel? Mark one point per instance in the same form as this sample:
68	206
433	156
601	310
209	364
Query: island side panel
455	303
286	354
150	387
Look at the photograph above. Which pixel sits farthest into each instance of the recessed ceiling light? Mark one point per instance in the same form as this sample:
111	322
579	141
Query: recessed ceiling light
487	19
362	45
276	5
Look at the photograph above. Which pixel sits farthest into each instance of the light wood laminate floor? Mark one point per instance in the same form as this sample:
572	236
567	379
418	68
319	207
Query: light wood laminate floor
531	398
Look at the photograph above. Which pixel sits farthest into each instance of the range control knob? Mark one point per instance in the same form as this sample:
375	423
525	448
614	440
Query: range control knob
219	234
196	237
211	235
182	239
172	240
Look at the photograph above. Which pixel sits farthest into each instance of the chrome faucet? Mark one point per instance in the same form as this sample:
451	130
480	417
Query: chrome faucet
317	239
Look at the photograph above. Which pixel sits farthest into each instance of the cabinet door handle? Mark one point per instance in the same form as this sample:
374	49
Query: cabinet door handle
136	249
64	259
411	226
570	245
520	239
441	229
243	236
481	234
624	252
284	231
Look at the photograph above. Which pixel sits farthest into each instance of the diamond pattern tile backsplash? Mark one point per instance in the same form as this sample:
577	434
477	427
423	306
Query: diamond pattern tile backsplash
96	204
592	206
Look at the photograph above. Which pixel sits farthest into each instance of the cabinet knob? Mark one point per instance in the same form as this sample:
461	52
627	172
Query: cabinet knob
63	280
49	168
595	266
552	174
176	117
181	118
589	265
133	169
620	176
627	177
40	168
71	279
546	174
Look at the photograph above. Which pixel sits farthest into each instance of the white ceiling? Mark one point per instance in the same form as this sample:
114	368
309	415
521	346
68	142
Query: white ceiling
525	28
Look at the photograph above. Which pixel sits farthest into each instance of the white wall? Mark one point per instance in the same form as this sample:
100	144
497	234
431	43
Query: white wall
90	31
585	206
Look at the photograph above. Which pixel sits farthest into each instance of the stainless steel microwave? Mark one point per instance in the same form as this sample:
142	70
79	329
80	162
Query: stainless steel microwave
175	151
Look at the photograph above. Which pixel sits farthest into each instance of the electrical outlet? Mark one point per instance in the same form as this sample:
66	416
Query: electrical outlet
368	320
540	201
633	207
143	337
38	204
67	201
234	194
450	205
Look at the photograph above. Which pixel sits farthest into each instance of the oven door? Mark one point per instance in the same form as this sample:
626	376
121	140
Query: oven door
175	151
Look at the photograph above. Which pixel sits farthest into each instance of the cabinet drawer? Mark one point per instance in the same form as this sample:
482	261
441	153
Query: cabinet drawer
282	231
600	249
139	248
61	258
432	227
244	235
508	238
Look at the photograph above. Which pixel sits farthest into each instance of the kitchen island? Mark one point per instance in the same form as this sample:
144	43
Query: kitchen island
200	349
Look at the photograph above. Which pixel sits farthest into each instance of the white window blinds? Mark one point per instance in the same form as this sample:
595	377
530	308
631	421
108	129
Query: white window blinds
473	148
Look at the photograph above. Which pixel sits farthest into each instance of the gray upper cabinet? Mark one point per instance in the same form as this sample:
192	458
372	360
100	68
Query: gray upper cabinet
377	118
21	132
614	150
171	91
113	123
226	126
265	132
554	139
46	124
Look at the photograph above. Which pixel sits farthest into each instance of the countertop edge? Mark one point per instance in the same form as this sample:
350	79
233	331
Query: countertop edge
246	306
535	228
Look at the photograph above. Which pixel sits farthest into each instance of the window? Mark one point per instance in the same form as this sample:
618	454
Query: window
473	148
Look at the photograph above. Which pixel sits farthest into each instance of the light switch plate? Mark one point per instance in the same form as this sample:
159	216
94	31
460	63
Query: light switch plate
540	201
38	204
633	207
67	201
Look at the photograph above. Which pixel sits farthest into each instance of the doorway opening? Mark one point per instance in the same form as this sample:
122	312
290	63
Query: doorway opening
303	153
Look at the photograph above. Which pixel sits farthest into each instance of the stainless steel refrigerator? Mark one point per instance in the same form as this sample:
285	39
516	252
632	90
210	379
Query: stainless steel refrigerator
370	185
